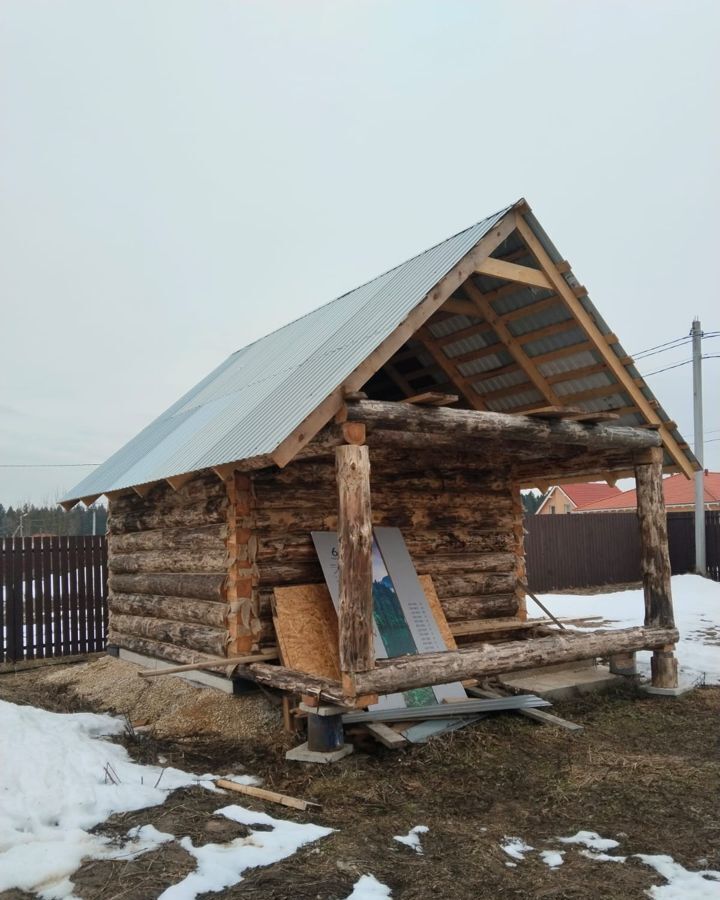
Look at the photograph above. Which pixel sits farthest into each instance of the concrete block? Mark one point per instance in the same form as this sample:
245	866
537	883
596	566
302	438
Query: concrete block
303	754
667	692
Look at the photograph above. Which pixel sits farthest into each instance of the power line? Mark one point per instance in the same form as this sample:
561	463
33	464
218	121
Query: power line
678	365
658	348
670	345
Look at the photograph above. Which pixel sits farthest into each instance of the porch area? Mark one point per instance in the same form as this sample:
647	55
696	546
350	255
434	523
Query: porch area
547	445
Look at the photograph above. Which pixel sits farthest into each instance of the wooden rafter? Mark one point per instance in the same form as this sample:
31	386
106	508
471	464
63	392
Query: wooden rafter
472	355
530	309
601	342
562	352
450	369
462	333
548	331
499	268
459	307
512	343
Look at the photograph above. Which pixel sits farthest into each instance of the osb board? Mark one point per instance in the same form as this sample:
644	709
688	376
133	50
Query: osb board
307	628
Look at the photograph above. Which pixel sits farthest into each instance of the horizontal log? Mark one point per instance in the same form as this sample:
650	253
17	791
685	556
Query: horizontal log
194	585
155	649
460	609
299	546
407	517
466	424
387	477
422	670
162	496
204	537
190	635
464	563
210	512
191	559
294	682
181	609
474	583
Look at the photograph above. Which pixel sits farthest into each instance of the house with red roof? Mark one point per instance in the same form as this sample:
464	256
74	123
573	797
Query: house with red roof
566	498
679	493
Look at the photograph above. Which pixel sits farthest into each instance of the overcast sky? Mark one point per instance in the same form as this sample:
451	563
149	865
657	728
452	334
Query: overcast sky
179	178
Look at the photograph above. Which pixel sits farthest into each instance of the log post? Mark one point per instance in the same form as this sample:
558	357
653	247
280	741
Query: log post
655	562
355	616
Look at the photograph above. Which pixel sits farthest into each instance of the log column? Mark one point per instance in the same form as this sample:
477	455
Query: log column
655	562
355	617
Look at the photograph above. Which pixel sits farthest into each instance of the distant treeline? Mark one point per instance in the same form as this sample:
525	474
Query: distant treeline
51	520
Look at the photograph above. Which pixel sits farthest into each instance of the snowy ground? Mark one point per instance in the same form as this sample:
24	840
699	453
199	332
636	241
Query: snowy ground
697	615
60	777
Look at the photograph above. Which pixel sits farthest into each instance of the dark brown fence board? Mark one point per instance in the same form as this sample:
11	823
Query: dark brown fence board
54	596
595	549
48	608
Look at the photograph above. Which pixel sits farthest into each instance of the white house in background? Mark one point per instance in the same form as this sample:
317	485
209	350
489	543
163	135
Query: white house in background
565	498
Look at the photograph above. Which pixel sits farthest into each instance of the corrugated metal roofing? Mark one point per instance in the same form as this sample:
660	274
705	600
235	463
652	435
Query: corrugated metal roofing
259	395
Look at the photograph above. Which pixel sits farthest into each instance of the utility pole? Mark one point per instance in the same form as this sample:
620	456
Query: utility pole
696	333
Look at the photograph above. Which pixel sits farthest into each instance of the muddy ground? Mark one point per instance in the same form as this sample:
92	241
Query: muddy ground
645	771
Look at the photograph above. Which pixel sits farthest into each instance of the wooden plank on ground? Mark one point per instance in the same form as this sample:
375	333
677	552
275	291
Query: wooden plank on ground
386	736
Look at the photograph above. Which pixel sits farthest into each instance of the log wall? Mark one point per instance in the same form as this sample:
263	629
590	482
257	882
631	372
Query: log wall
192	571
462	526
168	567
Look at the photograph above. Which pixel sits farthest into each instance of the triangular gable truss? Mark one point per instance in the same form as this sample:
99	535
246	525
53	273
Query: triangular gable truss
508	279
458	295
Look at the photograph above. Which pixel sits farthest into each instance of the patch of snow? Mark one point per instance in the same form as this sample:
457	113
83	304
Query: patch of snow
220	866
251	780
552	858
601	857
59	779
591	840
515	847
412	839
681	884
696	603
369	888
511	865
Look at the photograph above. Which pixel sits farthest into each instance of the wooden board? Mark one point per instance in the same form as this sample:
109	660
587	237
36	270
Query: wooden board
307	628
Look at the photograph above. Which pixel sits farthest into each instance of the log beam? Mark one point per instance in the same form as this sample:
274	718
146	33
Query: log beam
422	670
465	423
355	616
655	564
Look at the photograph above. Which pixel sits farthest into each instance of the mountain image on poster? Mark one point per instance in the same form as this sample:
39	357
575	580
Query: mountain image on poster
393	626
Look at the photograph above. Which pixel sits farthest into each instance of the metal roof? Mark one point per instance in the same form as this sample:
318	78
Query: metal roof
259	395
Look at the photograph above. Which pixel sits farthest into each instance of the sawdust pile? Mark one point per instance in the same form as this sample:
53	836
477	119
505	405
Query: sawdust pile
171	707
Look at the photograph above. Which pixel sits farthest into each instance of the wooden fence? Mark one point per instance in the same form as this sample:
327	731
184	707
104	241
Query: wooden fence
593	549
54	596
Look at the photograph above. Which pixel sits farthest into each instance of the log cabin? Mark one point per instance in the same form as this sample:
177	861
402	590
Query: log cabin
425	400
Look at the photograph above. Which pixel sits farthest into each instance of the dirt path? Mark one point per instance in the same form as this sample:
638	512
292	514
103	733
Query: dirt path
644	771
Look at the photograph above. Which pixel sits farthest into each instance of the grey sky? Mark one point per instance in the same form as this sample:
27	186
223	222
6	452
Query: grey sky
178	178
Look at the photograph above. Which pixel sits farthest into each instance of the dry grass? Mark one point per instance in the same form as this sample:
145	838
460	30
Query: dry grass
645	768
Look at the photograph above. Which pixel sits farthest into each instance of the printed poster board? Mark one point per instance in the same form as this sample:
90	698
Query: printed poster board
404	623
